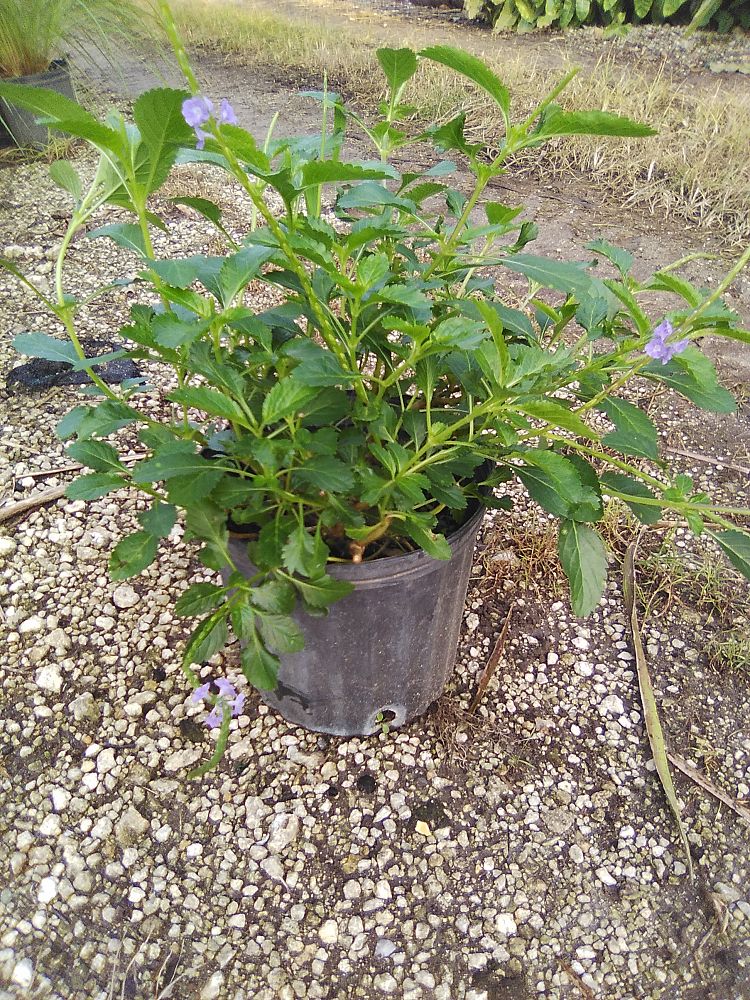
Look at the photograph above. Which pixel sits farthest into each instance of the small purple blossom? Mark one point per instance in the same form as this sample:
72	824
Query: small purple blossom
226	113
197	110
200	136
227	696
658	348
201	692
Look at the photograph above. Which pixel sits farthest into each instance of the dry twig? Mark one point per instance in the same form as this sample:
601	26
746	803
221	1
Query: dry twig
38	500
492	663
690	772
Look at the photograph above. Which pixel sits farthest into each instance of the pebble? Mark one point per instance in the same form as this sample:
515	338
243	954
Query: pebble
33	624
47	890
384	948
131	827
23	974
284	831
505	924
576	854
49	678
612	705
329	932
84	708
385	983
7	546
106	761
125	596
60	799
50	826
605	877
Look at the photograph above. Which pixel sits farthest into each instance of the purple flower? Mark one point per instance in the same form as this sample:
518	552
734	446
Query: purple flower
226	113
197	110
215	717
201	692
239	702
226	688
658	348
201	135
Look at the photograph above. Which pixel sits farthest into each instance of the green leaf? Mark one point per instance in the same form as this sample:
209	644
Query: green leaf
434	544
171	331
635	434
207	639
106	418
199	600
62	113
564	276
304	553
70	423
94	485
327	473
591	123
692	375
132	555
554	482
584	559
211	401
125	234
322	591
285	399
276	596
557	415
41	345
628	487
399	66
207	208
158	115
240	268
178	458
97	455
183	271
736	546
159	519
280	634
334	171
622	260
65	175
260	667
472	68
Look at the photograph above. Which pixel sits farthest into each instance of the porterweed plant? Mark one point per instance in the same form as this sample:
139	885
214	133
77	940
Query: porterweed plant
395	386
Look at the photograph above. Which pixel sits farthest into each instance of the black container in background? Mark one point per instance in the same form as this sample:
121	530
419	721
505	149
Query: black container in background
384	652
18	125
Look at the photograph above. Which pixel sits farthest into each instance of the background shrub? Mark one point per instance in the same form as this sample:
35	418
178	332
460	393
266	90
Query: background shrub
525	15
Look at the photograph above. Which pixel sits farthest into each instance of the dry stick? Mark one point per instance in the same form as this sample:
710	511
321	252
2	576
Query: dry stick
650	712
492	663
39	500
43	473
697	457
689	771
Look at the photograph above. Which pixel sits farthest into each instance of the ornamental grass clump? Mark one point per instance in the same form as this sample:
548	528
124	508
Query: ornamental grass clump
393	388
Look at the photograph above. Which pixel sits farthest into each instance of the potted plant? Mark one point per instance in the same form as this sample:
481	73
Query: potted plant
333	453
35	37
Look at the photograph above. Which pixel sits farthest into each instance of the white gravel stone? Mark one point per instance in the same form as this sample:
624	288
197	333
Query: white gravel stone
125	596
605	877
50	826
612	705
60	799
576	854
329	932
7	546
385	983
283	832
212	989
49	678
131	827
84	708
181	760
47	890
23	973
106	761
33	624
505	924
384	948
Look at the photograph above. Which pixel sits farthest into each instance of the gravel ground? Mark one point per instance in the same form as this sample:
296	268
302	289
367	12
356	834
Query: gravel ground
523	851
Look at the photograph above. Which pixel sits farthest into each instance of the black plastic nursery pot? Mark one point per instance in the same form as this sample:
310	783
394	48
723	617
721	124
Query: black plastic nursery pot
18	125
383	653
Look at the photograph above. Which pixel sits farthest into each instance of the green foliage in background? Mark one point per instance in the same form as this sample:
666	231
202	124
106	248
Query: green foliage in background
525	15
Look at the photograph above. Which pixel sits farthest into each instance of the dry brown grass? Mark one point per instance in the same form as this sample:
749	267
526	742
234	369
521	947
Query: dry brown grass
696	168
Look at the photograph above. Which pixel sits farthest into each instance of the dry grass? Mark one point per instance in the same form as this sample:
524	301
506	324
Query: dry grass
696	168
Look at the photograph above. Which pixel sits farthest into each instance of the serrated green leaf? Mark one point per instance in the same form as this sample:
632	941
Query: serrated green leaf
211	401
280	633
557	415
132	555
94	485
584	559
208	638
692	375
554	482
304	553
70	423
564	276
337	172
260	667
41	345
285	399
97	455
276	596
322	591
163	129
399	66
159	519
635	433
474	69
125	234
199	599
735	545
327	473
591	123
